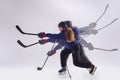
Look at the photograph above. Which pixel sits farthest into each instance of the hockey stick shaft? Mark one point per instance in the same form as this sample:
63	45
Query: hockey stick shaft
100	16
105	26
106	49
115	49
21	31
103	13
26	46
40	68
44	62
68	72
108	24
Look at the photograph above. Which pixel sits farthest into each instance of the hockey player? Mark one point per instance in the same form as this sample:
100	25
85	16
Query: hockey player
69	37
88	30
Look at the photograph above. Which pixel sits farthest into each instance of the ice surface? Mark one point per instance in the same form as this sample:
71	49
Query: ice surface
51	73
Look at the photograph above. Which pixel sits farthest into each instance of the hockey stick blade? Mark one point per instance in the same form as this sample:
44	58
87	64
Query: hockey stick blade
20	30
21	44
39	68
114	50
26	46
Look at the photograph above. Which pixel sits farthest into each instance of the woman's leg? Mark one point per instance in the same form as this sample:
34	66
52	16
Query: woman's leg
64	56
79	58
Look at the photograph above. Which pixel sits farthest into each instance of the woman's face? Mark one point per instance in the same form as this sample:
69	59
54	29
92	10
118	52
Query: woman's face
60	28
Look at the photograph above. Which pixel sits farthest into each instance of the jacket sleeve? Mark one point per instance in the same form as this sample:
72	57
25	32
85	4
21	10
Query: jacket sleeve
55	36
60	43
59	46
79	38
87	30
84	30
83	42
51	40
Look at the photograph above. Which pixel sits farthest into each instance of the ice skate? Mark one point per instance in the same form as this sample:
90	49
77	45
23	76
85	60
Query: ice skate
92	70
62	71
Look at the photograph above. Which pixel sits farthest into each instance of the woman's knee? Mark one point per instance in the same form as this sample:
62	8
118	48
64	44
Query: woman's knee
62	53
80	64
76	63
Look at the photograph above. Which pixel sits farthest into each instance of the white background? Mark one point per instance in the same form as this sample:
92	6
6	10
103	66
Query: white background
44	15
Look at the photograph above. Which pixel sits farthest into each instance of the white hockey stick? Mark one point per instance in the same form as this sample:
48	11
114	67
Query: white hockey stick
108	24
102	13
104	26
68	72
114	49
106	49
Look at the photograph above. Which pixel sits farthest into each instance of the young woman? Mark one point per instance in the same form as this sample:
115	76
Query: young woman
69	38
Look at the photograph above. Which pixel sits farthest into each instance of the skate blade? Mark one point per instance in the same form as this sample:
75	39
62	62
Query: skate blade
62	73
94	71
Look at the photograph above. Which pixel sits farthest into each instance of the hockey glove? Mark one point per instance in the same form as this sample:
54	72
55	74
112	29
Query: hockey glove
43	41
90	46
92	25
41	34
94	32
50	53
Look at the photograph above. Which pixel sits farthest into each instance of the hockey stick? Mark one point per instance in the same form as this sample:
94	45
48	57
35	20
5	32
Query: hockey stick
104	49
110	50
100	17
68	72
40	68
102	13
25	46
20	30
104	26
108	24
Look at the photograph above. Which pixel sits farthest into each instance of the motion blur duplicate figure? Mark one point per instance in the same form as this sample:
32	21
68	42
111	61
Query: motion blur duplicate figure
69	38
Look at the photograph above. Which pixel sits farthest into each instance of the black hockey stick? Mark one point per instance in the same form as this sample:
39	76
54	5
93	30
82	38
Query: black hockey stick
40	68
25	46
20	30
